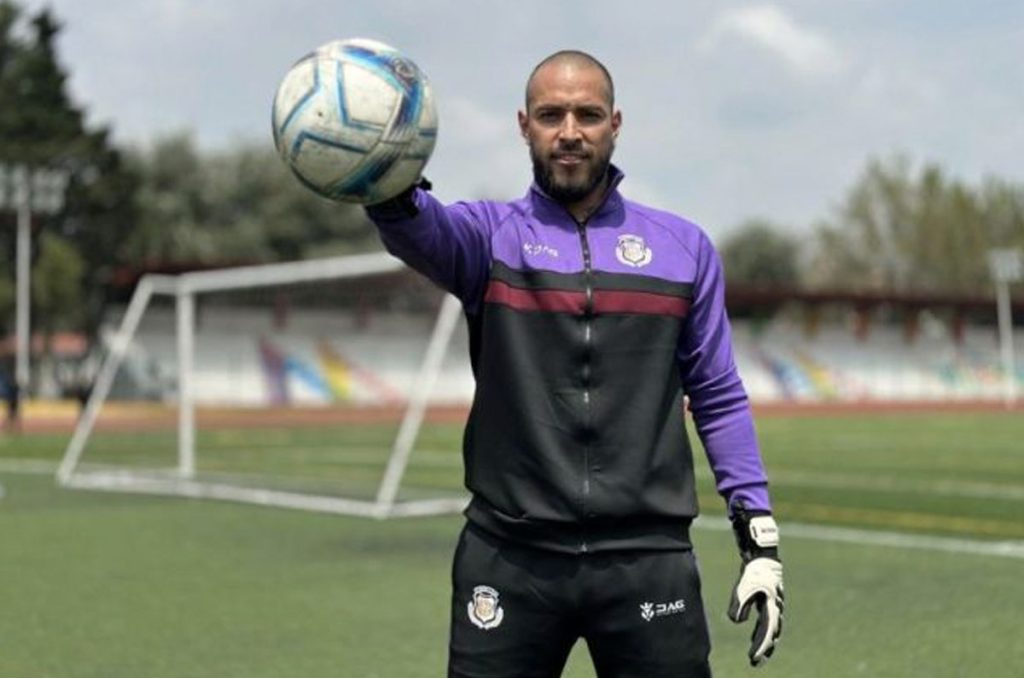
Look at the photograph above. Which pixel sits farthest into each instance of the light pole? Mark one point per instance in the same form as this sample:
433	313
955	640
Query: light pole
1007	266
27	190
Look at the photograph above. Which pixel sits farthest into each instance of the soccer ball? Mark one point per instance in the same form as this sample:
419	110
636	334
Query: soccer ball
355	121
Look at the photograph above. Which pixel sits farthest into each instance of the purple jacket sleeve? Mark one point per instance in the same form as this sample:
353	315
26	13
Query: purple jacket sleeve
718	400
450	245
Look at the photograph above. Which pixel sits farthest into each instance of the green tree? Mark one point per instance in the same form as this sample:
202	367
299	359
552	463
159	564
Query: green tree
171	208
898	229
761	253
235	205
57	283
41	127
6	297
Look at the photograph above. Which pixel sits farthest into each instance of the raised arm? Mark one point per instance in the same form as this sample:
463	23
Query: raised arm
448	244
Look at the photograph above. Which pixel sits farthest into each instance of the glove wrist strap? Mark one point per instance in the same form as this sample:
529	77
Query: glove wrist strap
757	535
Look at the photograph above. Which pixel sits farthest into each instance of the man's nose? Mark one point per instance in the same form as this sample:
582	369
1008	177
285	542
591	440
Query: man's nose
570	129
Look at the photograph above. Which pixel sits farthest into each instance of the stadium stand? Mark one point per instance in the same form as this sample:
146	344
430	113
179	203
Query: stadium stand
323	357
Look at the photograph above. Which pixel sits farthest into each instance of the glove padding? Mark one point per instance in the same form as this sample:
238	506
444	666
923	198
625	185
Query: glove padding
760	585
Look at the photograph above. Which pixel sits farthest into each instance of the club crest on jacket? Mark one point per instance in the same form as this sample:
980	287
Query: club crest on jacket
633	251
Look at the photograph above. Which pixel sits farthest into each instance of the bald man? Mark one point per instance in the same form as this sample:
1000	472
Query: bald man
590	318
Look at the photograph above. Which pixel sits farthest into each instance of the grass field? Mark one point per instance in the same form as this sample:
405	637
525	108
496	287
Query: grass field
903	540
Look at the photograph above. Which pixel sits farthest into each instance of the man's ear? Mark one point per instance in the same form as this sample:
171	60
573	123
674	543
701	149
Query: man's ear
524	125
616	122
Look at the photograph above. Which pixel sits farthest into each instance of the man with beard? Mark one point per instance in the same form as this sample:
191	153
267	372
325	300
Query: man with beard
590	317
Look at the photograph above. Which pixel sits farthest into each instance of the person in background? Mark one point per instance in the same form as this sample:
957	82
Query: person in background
10	390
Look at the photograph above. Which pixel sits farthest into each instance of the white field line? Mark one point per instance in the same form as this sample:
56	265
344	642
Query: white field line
945	488
815	479
906	540
28	466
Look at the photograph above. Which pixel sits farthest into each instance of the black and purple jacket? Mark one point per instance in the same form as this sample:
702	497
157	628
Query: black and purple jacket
584	339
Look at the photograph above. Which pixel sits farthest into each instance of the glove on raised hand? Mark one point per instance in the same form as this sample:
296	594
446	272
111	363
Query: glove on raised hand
760	581
402	205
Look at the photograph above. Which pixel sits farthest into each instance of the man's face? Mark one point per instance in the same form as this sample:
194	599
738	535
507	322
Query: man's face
570	128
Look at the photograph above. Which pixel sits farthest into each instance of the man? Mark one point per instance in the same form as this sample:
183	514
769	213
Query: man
590	317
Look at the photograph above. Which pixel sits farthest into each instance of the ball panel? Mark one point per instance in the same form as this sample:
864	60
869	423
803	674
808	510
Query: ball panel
361	183
403	174
298	86
323	162
428	113
402	128
420	148
365	97
298	83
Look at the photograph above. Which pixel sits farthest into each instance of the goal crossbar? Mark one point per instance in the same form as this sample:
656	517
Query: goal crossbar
182	481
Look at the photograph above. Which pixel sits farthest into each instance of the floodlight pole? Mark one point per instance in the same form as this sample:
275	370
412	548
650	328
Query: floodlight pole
27	191
23	199
1007	265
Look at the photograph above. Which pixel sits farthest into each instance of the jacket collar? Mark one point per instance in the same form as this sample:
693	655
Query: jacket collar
612	198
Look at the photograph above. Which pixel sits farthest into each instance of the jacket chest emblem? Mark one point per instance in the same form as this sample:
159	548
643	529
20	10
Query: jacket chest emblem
633	251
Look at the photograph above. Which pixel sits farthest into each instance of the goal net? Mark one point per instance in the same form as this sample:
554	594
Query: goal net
336	385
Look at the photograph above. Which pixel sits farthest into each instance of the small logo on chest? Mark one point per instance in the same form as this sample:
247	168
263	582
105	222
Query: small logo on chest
535	249
633	251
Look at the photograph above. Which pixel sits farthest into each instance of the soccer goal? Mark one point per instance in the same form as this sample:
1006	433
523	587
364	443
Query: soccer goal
336	385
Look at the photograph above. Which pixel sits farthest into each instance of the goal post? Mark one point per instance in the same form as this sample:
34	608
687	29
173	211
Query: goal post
408	391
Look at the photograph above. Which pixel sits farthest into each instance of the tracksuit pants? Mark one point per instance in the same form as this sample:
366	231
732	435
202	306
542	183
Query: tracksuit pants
517	611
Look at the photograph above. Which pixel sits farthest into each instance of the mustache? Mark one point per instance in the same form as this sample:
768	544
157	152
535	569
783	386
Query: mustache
571	152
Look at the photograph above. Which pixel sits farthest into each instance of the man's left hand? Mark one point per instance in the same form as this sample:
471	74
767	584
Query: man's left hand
760	582
760	585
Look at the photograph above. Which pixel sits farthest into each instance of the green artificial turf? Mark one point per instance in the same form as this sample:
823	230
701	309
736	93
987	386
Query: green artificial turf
105	585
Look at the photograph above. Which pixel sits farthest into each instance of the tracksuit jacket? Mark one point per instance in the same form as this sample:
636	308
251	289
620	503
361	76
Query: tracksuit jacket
584	338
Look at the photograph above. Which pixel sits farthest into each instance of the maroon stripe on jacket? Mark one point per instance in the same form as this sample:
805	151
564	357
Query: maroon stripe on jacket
645	303
604	301
558	301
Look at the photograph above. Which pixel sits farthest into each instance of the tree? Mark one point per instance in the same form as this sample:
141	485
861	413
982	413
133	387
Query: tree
233	206
760	253
7	293
41	127
57	283
904	231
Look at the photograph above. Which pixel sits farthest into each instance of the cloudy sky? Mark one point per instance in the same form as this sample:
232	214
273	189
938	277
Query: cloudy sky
731	109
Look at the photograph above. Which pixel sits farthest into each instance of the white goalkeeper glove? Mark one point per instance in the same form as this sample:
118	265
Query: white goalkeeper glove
760	582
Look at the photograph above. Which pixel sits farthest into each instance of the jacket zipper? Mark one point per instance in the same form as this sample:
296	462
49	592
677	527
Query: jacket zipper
588	315
588	311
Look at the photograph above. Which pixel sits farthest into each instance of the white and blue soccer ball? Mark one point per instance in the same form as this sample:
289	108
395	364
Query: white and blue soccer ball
355	121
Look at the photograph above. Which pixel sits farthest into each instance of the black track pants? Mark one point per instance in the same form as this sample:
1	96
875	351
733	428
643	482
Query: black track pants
517	612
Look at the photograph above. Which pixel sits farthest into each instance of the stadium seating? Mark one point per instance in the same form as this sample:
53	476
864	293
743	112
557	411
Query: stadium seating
322	357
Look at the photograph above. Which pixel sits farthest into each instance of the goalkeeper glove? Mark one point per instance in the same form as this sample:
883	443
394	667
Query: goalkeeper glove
402	206
760	581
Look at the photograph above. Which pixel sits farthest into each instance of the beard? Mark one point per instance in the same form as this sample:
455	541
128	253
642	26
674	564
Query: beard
573	189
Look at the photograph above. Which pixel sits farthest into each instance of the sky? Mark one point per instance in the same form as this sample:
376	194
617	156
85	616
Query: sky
731	110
